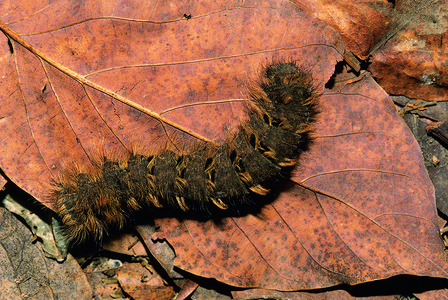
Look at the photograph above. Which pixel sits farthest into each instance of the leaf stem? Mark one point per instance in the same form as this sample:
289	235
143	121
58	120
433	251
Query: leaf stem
12	35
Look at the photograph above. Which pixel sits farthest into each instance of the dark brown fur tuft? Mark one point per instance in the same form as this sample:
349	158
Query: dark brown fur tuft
206	180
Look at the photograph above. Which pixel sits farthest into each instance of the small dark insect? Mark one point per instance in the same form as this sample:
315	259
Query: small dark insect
11	48
187	16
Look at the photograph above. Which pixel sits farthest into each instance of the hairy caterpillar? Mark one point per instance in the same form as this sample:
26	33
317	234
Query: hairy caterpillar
210	179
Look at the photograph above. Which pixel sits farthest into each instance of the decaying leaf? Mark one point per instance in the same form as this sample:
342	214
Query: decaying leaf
163	80
411	57
78	77
360	208
27	274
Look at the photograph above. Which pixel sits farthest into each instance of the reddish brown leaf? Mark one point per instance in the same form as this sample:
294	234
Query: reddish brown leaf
82	76
160	250
361	208
361	23
3	181
413	62
338	294
139	283
127	244
407	40
433	295
187	289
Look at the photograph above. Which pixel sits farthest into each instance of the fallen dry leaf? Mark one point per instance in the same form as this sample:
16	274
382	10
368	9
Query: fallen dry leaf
406	41
117	77
103	286
27	274
361	23
139	283
359	207
125	243
338	294
412	63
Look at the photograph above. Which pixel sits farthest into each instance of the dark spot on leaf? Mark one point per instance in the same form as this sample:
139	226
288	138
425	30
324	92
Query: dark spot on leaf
11	48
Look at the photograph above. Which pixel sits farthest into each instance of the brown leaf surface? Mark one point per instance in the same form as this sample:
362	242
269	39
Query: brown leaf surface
3	181
78	76
125	243
407	39
140	284
414	61
104	287
25	272
361	23
338	294
361	207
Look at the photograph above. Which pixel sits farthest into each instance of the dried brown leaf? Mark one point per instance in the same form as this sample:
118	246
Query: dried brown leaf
80	77
27	274
360	208
411	58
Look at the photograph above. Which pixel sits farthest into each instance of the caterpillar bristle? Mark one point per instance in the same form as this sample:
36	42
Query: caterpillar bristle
206	178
